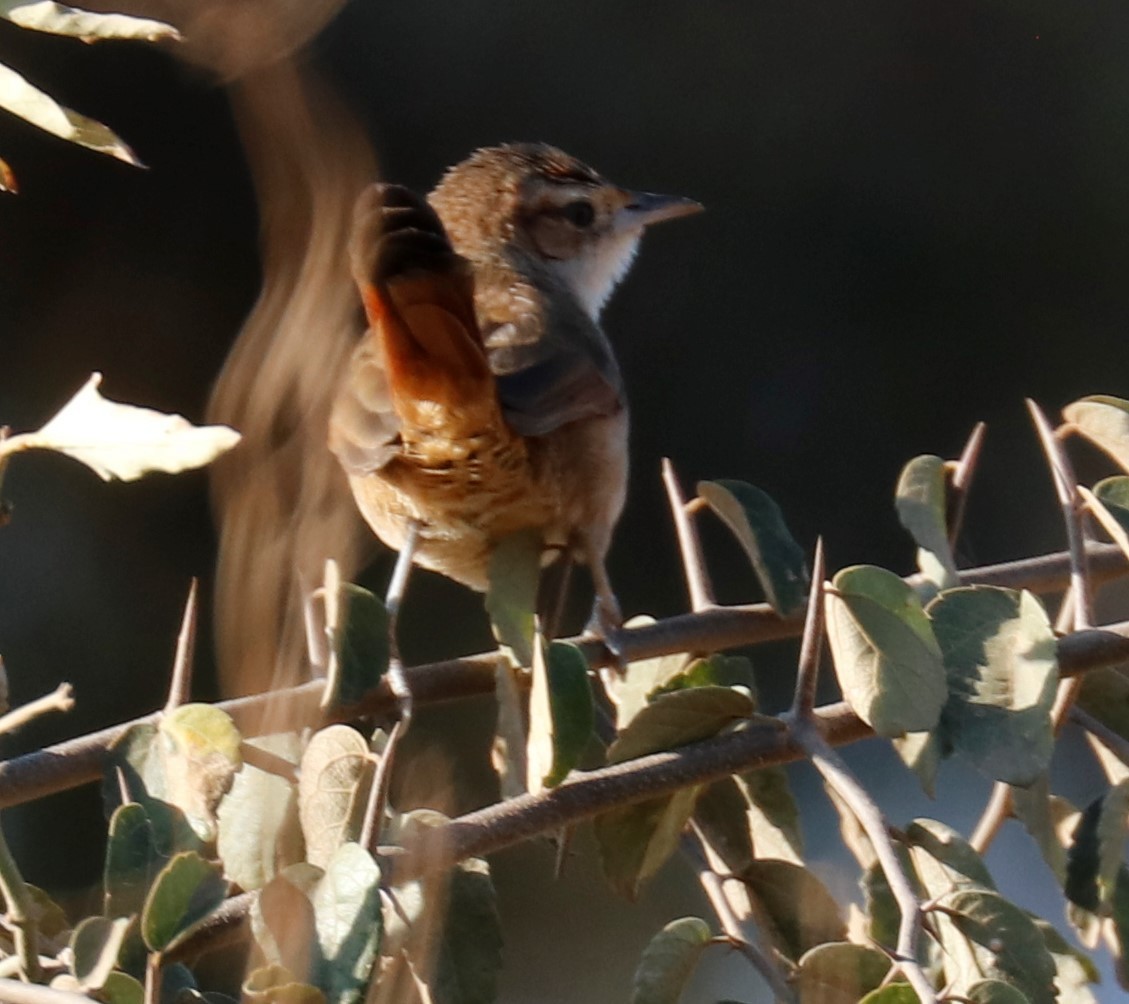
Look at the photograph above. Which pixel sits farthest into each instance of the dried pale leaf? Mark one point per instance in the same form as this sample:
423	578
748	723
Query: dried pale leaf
58	19
332	791
200	755
22	98
668	960
123	441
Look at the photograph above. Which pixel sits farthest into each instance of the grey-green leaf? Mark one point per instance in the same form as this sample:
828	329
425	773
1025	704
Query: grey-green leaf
921	752
757	523
668	960
803	913
886	657
995	992
259	834
347	916
678	718
774	817
1093	860
131	861
944	860
840	973
511	600
921	504
185	891
470	956
1104	420
722	814
636	840
892	993
1000	657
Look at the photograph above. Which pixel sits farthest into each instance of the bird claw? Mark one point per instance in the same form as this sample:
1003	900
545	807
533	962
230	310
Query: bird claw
606	626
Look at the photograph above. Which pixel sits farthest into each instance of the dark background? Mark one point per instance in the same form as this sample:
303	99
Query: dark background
916	218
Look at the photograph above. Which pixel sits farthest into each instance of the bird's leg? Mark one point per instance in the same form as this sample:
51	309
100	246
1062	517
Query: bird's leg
552	593
401	691
606	621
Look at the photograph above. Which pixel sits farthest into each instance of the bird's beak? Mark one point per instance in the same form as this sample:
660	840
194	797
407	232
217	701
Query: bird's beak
645	208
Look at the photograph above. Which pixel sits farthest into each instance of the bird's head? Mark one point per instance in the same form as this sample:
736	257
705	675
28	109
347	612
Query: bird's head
536	200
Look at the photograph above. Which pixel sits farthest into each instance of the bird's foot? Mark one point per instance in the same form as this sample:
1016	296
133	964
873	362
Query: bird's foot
606	625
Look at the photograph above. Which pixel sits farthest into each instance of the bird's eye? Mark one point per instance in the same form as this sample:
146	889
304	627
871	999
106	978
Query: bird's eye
579	213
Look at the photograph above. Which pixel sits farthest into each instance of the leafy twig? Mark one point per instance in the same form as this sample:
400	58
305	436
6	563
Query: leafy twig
60	699
689	546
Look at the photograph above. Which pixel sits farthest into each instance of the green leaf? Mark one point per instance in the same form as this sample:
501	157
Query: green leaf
668	960
944	860
994	992
258	827
757	523
678	718
636	840
200	755
1104	420
1005	941
561	713
132	861
774	817
333	785
1105	695
722	814
921	504
886	657
95	945
508	751
470	955
176	980
121	988
185	891
1000	656
1118	928
511	600
631	691
715	670
347	917
840	973
58	19
1093	860
892	993
134	762
362	644
803	914
921	752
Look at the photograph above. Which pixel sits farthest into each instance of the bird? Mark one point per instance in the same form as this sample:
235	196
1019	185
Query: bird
485	398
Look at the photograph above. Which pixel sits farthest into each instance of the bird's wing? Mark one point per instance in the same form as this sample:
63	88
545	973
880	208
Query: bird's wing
422	346
552	362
